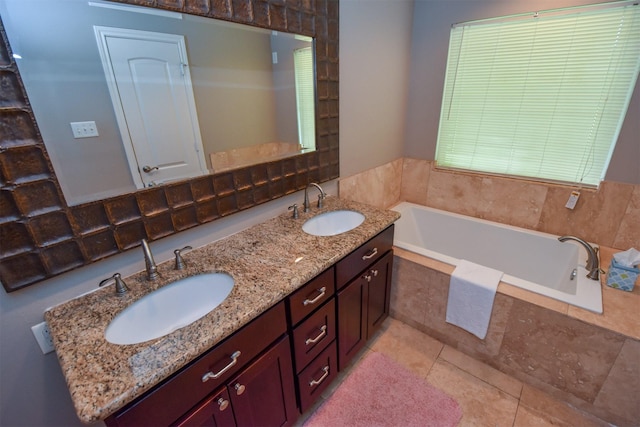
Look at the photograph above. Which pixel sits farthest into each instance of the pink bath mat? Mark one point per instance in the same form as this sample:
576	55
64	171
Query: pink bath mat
379	392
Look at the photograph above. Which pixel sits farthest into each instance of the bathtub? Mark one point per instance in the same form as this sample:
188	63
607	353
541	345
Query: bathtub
531	260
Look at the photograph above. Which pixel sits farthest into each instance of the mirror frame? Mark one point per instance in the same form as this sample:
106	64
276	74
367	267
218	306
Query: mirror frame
41	236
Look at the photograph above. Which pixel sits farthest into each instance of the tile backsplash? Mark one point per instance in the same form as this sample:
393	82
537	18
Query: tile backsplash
608	216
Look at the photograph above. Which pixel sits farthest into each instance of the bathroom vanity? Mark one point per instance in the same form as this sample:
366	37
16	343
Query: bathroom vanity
301	308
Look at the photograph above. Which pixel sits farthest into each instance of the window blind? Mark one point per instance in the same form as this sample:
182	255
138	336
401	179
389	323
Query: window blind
542	96
305	99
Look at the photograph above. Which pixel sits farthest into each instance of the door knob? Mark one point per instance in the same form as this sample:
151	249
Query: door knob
149	169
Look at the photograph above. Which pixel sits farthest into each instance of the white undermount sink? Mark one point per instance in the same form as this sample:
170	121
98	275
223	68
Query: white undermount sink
169	308
332	223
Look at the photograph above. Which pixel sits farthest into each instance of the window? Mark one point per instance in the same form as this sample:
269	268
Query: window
305	99
540	96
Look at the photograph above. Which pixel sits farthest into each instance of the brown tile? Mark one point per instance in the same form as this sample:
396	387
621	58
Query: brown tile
482	371
512	201
407	346
533	298
539	409
50	228
481	403
415	180
557	350
596	217
620	393
408	293
21	270
436	284
63	257
455	192
152	201
378	187
16	239
23	164
620	312
628	235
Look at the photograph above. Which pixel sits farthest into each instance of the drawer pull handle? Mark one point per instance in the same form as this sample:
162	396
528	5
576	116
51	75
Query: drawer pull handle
371	254
322	378
223	404
239	388
234	359
322	290
323	332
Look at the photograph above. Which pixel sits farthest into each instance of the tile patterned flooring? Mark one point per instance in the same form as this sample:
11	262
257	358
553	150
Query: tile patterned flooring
486	396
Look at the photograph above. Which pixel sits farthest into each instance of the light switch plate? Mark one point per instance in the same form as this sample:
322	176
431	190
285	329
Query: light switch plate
84	129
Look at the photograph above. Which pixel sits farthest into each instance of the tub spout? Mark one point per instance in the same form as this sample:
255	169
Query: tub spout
593	265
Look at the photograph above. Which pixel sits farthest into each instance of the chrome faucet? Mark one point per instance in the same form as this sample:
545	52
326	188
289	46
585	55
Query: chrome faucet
150	264
593	265
321	196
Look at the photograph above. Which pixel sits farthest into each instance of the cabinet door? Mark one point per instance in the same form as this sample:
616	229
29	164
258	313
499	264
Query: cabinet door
379	286
264	393
215	411
352	320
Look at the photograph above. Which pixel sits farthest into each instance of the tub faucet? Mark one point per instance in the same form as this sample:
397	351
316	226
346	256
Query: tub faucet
593	265
150	264
321	196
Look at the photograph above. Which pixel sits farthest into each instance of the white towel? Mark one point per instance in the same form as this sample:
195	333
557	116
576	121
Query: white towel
472	290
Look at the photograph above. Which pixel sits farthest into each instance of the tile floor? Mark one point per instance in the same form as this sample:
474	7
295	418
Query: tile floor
487	396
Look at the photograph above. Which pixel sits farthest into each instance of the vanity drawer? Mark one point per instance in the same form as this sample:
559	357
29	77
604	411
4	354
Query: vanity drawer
313	335
173	398
311	296
353	264
316	377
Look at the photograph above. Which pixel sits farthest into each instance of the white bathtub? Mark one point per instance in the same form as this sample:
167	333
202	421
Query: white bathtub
530	260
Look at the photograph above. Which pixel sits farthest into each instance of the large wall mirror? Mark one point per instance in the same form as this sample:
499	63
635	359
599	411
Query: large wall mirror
216	117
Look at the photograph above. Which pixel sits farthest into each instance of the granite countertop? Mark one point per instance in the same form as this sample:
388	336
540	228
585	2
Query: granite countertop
267	261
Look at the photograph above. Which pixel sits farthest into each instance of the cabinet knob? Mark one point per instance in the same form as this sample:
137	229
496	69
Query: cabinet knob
374	273
367	277
239	388
223	403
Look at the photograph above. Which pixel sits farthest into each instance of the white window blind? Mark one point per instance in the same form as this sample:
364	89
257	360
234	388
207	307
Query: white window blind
541	96
305	99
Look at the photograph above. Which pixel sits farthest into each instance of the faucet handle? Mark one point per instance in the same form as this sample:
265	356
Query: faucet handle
320	201
295	210
121	287
179	260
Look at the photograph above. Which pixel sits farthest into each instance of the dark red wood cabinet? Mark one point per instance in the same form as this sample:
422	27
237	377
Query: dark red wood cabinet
277	366
363	304
263	344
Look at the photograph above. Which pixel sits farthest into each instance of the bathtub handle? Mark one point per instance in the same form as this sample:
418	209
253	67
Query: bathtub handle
370	255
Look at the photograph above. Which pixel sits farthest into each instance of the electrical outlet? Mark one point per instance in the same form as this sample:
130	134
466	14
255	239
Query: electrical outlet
84	129
41	332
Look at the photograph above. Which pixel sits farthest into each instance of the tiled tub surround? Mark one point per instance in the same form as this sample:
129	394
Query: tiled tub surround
268	262
608	216
586	359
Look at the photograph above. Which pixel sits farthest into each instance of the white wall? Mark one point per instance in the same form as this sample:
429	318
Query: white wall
375	41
